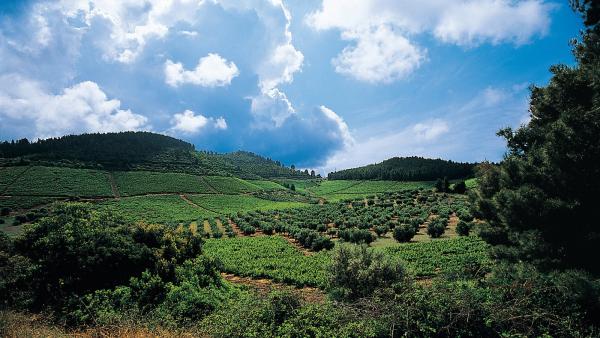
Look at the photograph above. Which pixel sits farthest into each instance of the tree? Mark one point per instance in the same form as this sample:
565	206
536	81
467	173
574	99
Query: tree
404	232
437	227
312	173
540	201
293	187
293	167
460	187
439	185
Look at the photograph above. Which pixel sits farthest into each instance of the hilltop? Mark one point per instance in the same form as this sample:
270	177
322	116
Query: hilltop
140	151
407	169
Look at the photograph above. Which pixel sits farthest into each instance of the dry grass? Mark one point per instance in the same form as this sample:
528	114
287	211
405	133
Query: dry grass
19	325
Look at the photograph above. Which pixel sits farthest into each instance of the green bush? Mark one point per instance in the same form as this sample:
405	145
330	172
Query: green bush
437	227
463	228
356	272
404	232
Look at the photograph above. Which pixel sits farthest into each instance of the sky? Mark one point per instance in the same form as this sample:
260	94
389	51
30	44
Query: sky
321	84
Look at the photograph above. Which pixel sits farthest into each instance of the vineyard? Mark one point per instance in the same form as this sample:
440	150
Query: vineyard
273	257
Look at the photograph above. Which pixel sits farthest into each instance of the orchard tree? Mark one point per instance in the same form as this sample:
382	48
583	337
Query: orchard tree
540	201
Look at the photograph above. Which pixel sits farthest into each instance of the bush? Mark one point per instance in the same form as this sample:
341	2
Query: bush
463	228
381	230
5	211
404	232
437	227
356	272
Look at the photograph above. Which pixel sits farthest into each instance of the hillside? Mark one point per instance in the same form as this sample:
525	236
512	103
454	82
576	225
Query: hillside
140	151
406	169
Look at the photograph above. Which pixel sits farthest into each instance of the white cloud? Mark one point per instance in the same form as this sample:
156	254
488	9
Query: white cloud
211	71
380	55
220	123
84	107
342	128
495	21
188	33
271	109
416	139
129	23
430	130
460	22
190	123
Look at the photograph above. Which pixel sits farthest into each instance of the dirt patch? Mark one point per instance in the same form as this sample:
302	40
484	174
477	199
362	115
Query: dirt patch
113	186
263	286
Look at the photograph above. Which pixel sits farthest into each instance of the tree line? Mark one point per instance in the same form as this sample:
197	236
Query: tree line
407	169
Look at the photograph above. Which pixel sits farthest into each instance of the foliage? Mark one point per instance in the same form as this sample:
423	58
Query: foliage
355	272
463	228
404	232
437	227
406	169
540	202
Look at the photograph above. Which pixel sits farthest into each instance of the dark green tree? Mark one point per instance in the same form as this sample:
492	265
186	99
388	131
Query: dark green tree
540	202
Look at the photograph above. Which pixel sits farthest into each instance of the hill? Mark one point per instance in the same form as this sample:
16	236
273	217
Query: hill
406	169
140	151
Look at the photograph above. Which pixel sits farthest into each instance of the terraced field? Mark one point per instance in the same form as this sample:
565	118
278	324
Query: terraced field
230	185
156	209
340	189
227	204
273	257
58	181
130	183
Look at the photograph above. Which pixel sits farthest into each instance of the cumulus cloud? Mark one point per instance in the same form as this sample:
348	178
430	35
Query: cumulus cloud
430	130
306	140
380	55
211	71
190	123
459	22
83	107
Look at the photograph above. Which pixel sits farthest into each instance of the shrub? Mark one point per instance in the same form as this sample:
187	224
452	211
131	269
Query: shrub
381	230
355	272
463	228
436	227
5	211
404	232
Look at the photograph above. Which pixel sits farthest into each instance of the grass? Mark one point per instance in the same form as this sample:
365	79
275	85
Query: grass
8	175
273	257
57	181
155	209
267	185
338	190
24	202
268	257
147	182
230	185
227	204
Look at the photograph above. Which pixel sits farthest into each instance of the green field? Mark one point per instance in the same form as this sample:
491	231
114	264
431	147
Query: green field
147	182
267	185
24	202
273	257
227	204
8	175
58	181
337	190
230	185
155	209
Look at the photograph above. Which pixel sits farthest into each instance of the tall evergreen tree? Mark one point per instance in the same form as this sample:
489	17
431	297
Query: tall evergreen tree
540	202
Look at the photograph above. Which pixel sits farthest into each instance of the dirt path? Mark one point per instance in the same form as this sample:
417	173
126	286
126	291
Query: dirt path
264	286
113	186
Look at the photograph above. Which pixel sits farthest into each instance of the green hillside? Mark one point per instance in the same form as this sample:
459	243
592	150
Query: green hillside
406	169
140	151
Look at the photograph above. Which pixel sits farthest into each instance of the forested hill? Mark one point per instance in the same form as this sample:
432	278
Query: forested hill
406	169
140	151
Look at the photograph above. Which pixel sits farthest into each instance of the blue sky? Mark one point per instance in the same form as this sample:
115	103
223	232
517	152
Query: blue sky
324	84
